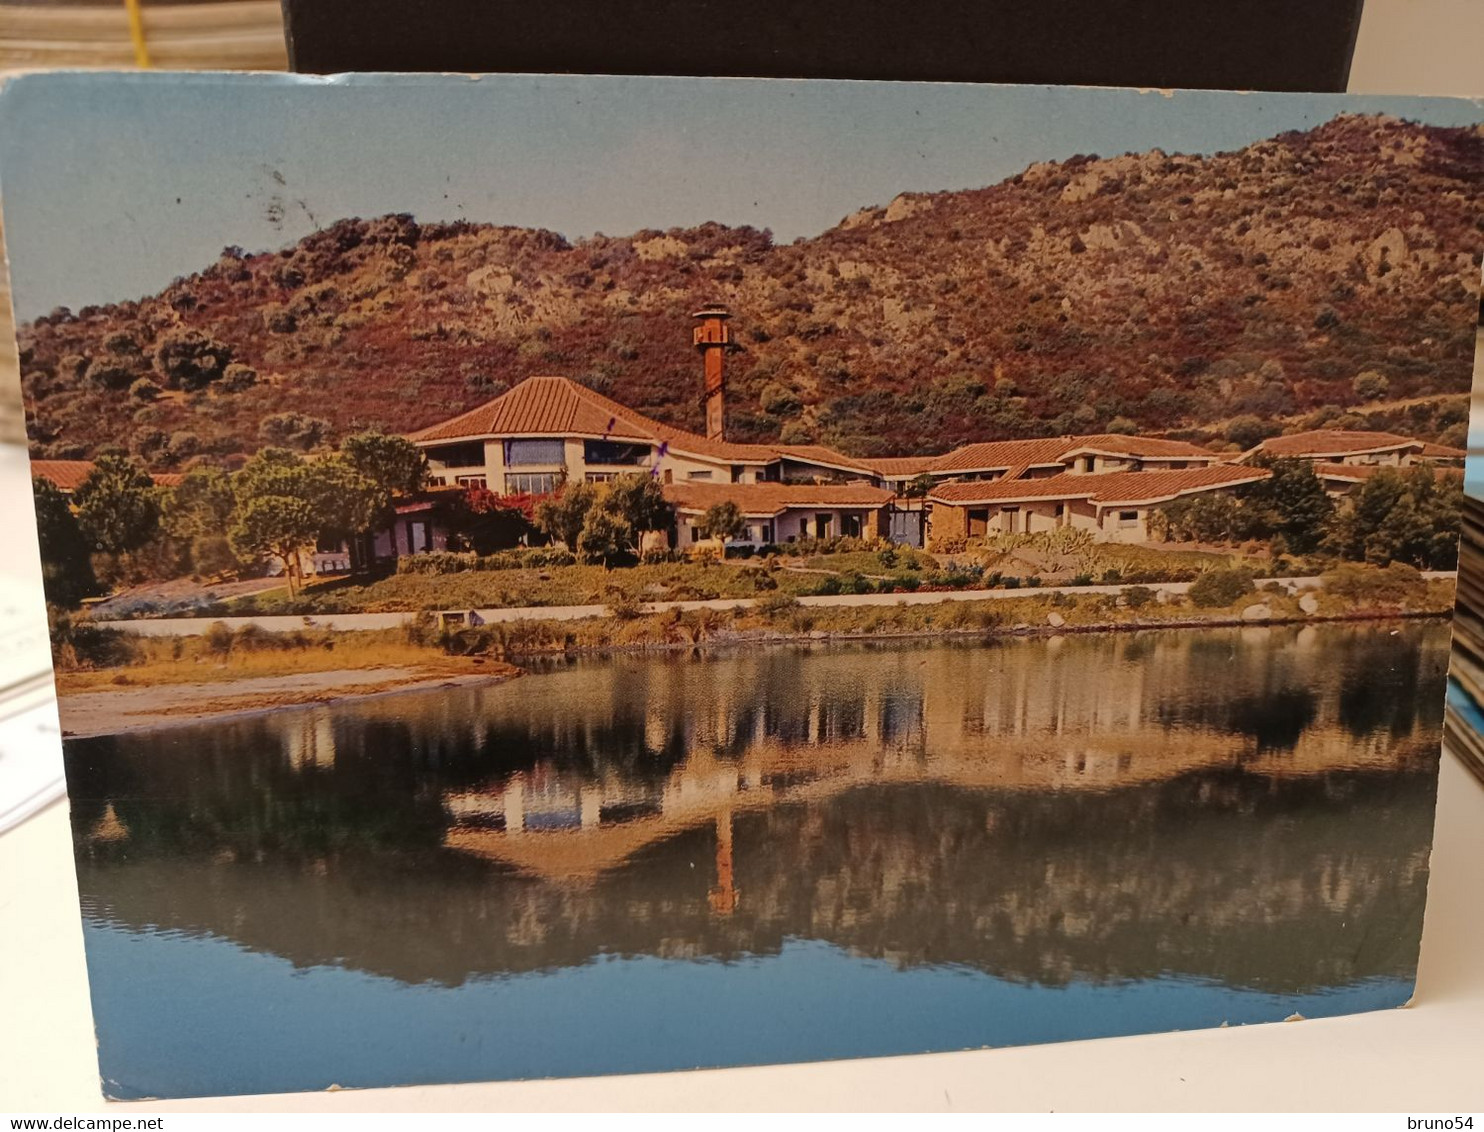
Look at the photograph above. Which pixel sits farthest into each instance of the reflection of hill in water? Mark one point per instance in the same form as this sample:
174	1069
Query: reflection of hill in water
1103	808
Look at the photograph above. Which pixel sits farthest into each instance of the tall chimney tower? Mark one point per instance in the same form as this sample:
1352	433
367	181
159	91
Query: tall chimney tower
713	338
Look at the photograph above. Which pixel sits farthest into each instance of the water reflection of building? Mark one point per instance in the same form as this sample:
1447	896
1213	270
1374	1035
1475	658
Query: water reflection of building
309	737
1244	806
1027	715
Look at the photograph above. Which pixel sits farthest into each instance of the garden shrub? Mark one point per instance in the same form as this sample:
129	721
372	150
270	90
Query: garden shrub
775	604
1220	587
1389	584
1137	597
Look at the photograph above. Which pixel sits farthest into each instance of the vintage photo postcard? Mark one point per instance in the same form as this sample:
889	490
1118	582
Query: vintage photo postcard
556	576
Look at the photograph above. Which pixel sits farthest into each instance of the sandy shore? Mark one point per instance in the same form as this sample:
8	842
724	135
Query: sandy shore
113	711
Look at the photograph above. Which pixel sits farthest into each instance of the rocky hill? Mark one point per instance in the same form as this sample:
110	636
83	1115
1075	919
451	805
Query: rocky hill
1170	291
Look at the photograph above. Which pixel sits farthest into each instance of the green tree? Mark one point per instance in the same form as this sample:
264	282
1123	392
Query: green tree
779	400
1370	385
561	515
1410	516
723	521
189	360
1296	503
616	517
639	502
118	505
604	537
284	505
66	569
918	486
1249	431
393	463
293	430
1214	516
274	526
198	512
201	504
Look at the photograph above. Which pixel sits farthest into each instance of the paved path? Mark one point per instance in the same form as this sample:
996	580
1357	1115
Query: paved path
347	622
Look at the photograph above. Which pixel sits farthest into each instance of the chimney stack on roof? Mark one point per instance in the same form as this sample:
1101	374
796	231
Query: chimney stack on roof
713	338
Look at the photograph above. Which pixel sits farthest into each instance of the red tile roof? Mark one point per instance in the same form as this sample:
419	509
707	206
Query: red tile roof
1016	455
69	474
1355	473
896	466
767	499
559	406
1152	447
1323	442
996	454
818	454
1432	451
1104	488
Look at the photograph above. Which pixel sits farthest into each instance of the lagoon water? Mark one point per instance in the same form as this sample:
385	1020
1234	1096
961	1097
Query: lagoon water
774	854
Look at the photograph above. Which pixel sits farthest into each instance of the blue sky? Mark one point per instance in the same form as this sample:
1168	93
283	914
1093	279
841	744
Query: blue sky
113	184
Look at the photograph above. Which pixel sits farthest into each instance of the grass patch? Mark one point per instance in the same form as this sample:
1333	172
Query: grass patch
225	655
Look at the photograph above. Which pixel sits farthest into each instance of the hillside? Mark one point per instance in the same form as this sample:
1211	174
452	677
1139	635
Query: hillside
1166	290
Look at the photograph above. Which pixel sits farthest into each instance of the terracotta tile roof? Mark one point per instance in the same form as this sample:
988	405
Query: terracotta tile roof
818	454
65	474
895	466
1017	455
767	499
1138	446
559	406
1106	488
1355	473
1333	442
1432	451
996	454
69	474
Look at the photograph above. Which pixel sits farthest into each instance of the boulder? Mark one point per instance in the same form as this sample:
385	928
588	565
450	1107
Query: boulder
1055	620
1257	612
1309	603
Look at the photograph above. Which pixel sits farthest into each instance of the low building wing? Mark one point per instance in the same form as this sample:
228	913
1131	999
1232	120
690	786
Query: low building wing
67	475
766	500
1333	444
1106	489
901	467
1002	456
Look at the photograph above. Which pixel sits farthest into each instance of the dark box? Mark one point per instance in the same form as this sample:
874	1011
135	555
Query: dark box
1234	45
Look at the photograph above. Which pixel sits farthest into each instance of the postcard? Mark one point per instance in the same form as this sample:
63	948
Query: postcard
555	576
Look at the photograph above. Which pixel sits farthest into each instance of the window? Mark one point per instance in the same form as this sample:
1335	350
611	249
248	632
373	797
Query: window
1128	518
822	525
850	526
695	535
614	452
530	483
803	527
1009	518
469	455
1089	463
978	521
534	453
479	483
698	475
600	477
417	537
